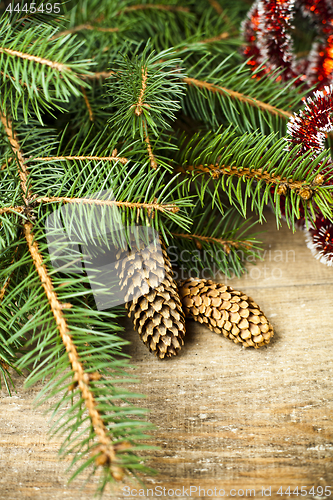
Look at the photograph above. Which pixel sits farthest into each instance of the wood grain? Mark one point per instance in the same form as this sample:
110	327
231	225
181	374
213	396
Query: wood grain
226	417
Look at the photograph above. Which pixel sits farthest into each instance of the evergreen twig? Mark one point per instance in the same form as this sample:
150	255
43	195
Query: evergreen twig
113	157
125	204
305	189
225	243
105	454
82	378
237	95
40	60
86	100
146	6
82	27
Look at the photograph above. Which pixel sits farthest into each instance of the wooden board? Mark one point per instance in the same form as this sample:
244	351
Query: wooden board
226	417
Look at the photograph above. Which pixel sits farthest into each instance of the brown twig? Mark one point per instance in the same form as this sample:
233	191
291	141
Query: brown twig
140	104
138	111
98	75
4	365
237	95
216	6
4	288
170	8
225	243
121	159
46	62
125	204
86	100
12	137
6	284
80	376
153	162
6	210
302	188
221	36
81	27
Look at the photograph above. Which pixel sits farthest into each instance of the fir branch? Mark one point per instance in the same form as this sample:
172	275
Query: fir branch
140	104
82	27
8	355
209	239
305	188
153	162
262	165
40	60
98	75
80	376
105	453
193	46
86	100
6	284
10	77
225	92
222	36
146	91
12	137
5	164
37	73
6	210
122	204
4	365
106	74
237	95
114	157
144	6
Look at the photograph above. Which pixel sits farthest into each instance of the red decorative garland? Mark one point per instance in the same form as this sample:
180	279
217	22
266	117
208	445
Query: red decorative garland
320	240
267	35
309	128
269	45
320	67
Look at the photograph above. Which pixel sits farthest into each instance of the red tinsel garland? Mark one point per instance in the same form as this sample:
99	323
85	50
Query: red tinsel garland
309	128
267	35
320	240
269	44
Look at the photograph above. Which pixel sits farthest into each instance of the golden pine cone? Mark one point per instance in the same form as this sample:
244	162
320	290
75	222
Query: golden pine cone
157	314
225	310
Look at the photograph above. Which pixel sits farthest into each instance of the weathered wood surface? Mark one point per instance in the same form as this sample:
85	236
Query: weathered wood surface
226	417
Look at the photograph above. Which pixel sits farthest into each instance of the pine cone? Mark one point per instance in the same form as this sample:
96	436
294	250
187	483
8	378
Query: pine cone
157	314
226	311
